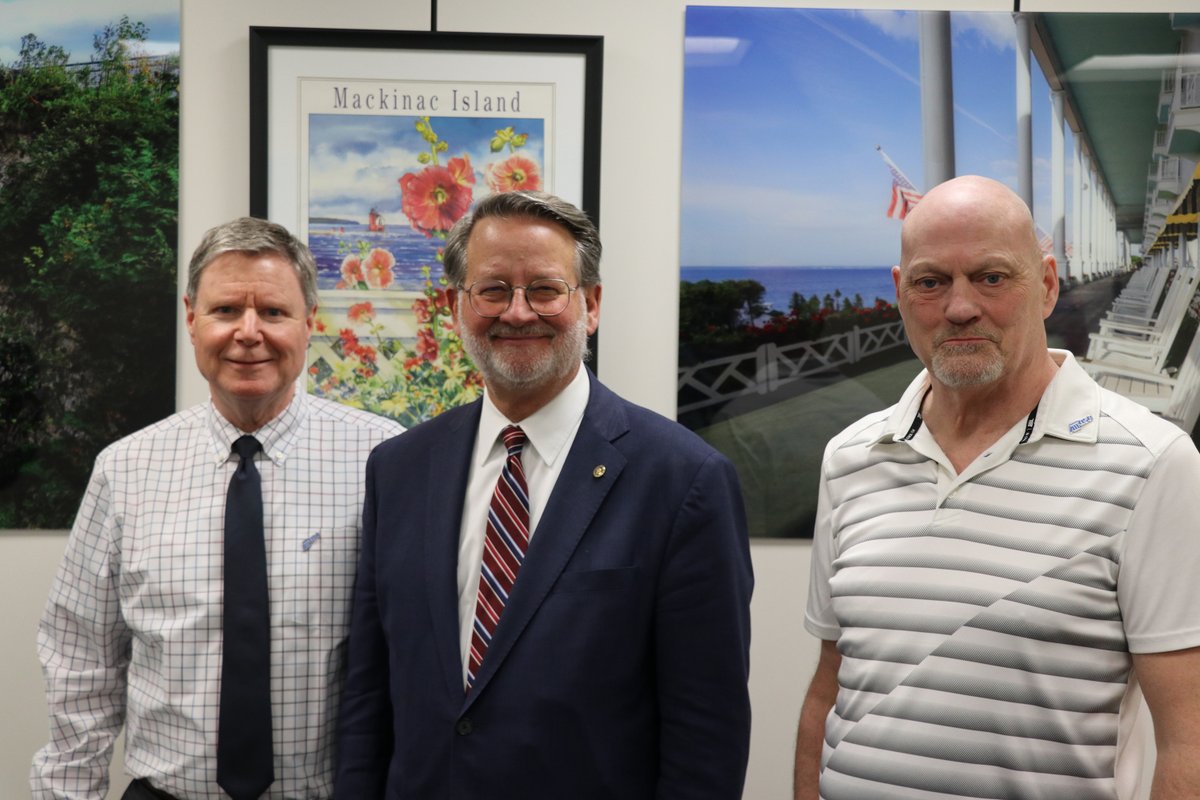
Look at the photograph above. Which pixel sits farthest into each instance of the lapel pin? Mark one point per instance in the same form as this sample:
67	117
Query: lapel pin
598	472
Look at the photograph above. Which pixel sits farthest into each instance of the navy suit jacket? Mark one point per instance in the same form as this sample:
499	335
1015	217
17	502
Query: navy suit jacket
619	666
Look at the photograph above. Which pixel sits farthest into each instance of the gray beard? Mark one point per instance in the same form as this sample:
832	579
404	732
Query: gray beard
967	369
568	349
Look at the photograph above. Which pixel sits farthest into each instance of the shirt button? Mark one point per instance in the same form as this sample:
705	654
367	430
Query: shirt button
464	727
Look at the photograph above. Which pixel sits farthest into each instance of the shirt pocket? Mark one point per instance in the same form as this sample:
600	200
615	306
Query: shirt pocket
319	582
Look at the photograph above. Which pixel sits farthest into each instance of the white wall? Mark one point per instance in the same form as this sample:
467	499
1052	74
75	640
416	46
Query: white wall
639	211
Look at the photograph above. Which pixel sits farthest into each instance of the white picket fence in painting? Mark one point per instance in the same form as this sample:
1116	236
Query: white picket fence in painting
393	310
771	366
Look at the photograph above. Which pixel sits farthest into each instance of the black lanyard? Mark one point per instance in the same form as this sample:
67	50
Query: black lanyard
918	420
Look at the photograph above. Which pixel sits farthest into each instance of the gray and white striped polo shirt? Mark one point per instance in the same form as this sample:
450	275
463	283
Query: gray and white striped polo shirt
986	619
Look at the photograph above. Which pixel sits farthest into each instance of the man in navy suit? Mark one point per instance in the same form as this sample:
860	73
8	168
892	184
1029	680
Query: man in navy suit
563	614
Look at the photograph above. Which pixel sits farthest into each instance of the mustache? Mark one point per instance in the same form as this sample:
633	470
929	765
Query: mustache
973	333
534	329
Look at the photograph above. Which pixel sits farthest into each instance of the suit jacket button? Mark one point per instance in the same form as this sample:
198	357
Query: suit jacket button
464	727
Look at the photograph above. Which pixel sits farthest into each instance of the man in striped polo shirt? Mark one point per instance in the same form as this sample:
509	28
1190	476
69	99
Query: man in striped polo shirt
1003	562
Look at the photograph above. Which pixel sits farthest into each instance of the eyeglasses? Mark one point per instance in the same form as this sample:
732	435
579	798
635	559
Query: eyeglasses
547	297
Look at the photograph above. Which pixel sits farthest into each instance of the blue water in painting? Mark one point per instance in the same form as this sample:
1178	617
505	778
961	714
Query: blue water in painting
411	249
780	282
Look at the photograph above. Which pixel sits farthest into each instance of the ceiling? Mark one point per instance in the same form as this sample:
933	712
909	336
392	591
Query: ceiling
1110	66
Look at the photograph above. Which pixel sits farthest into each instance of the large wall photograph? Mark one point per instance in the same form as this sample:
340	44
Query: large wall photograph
89	143
804	145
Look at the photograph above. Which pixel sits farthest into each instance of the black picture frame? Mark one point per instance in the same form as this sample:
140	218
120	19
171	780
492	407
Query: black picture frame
265	39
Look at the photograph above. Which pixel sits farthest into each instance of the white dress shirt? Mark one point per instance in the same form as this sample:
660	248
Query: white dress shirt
549	432
132	631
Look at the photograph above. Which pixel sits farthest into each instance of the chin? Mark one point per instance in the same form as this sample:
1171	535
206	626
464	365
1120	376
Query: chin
958	376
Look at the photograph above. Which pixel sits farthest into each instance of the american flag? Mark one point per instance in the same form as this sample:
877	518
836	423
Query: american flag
1045	240
904	194
903	199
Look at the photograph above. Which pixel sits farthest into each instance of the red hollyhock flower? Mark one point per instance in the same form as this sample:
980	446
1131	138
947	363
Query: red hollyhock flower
516	173
427	346
360	311
420	309
437	197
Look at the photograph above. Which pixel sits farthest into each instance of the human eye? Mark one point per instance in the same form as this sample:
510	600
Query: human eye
993	279
493	291
544	291
926	282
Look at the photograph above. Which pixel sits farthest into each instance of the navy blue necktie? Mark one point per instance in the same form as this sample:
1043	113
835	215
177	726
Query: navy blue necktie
245	764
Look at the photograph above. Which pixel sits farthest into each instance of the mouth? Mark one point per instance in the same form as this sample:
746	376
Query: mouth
963	340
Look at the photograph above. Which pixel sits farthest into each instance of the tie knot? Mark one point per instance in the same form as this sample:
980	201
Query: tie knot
246	447
514	439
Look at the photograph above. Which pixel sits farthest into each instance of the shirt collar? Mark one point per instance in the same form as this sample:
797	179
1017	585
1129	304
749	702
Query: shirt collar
547	430
278	437
1069	408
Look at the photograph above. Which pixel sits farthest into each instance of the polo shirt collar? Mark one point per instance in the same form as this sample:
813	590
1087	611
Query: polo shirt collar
1069	408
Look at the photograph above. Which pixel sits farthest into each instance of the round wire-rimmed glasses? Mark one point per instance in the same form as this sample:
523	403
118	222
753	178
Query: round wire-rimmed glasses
546	297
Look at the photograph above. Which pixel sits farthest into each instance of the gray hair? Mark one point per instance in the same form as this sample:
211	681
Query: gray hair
536	205
256	237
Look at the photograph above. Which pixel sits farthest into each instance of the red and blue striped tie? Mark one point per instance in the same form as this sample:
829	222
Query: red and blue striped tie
504	547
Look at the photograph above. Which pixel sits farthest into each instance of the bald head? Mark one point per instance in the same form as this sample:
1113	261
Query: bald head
986	207
974	289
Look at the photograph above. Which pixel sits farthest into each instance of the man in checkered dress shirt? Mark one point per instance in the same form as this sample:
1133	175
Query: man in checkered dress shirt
132	632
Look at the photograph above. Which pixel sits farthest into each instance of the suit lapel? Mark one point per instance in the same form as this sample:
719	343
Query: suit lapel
449	466
577	496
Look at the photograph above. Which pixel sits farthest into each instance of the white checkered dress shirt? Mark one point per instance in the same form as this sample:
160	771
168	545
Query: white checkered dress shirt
132	629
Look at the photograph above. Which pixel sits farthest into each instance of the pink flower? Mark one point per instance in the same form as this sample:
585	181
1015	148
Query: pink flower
352	272
437	197
379	268
516	173
460	168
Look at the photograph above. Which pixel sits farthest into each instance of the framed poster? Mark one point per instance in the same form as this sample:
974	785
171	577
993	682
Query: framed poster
370	145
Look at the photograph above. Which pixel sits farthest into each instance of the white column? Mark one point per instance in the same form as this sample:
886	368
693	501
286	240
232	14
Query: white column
1077	208
1089	221
1024	112
1058	184
937	97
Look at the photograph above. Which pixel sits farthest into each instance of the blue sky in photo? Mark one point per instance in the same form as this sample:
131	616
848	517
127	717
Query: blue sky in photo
783	109
71	24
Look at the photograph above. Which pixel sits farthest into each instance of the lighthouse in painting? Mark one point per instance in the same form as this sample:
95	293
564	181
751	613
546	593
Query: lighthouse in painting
375	221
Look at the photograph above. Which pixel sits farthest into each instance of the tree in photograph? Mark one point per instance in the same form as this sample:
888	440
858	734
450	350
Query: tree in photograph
89	188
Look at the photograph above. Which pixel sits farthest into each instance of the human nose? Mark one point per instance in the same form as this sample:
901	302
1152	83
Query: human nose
519	312
248	329
962	303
